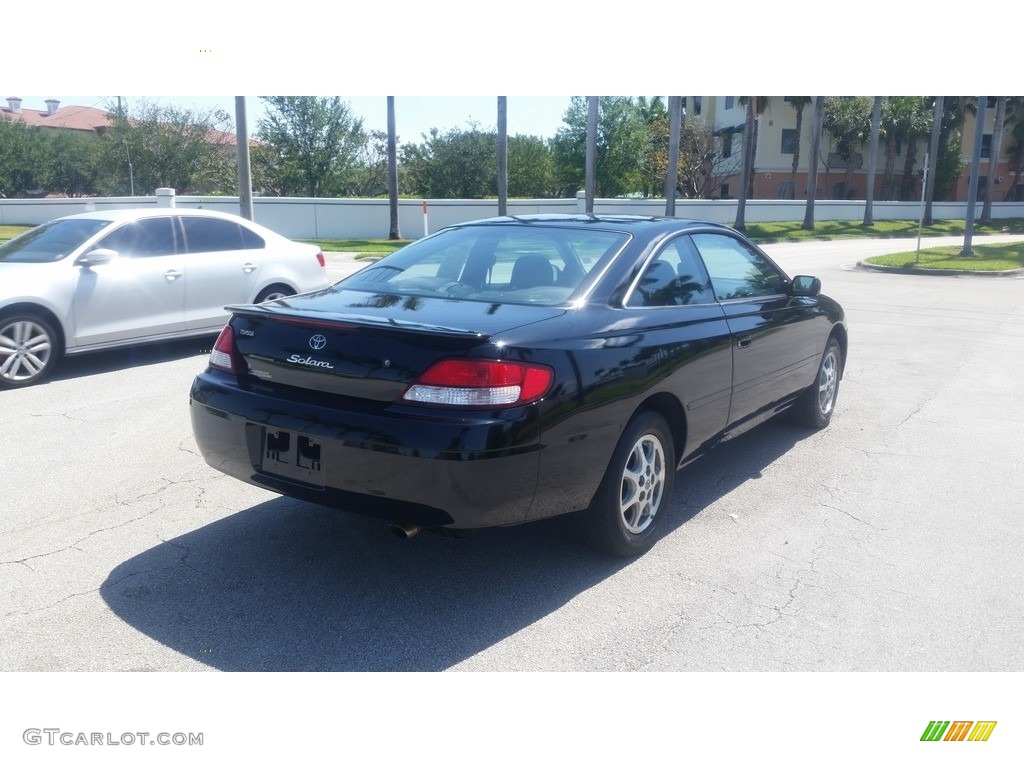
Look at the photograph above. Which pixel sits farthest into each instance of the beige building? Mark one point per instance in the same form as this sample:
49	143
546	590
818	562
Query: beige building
776	141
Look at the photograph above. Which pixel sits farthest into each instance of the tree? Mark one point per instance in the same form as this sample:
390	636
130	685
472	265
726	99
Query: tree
531	167
621	147
316	140
185	149
675	111
460	163
1015	148
904	120
73	164
933	155
848	121
993	158
748	165
22	159
876	125
812	170
798	103
917	124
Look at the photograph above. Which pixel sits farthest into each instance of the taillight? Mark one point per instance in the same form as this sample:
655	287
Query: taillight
480	384
320	258
223	356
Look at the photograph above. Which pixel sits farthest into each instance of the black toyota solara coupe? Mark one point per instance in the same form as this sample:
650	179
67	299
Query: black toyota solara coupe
511	369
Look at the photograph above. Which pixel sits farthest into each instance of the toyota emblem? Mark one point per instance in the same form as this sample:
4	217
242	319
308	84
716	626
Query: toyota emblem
317	342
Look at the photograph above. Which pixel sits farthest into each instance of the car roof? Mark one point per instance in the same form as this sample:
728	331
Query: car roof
628	222
131	214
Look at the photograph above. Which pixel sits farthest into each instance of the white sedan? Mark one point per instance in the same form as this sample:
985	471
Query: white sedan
95	281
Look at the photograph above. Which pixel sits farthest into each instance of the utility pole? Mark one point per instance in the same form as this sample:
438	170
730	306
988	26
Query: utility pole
244	169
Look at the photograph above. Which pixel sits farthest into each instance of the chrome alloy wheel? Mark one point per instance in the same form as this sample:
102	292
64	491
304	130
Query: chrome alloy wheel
828	380
25	350
643	484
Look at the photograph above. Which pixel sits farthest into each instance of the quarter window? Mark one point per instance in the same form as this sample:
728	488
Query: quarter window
736	269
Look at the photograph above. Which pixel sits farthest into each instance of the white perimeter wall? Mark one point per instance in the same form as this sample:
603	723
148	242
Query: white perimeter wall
316	218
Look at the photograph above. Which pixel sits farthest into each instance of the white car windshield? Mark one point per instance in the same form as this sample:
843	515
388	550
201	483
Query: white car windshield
51	241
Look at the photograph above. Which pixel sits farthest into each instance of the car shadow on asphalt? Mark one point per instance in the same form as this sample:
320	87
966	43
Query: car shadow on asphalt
291	586
131	357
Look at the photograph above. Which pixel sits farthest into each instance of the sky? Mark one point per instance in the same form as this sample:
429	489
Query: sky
414	115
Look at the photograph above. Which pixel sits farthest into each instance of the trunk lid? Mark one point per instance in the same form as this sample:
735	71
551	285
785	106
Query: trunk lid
365	345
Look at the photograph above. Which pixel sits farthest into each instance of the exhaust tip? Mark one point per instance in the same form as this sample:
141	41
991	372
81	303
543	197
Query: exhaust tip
403	530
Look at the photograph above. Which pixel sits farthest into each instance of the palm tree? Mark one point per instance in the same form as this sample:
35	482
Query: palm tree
502	155
1015	151
933	155
993	157
869	197
394	233
748	165
675	113
812	170
797	103
916	125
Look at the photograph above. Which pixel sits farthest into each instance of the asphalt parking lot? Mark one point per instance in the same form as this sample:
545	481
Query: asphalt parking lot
891	541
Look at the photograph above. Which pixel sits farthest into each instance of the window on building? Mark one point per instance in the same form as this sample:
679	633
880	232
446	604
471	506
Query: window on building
986	145
788	141
787	190
723	192
730	102
982	186
696	105
727	145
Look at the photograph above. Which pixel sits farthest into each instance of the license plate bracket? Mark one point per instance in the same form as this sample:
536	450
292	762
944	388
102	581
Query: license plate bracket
292	455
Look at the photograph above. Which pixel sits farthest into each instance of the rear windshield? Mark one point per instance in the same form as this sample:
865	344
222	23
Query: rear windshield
51	241
507	264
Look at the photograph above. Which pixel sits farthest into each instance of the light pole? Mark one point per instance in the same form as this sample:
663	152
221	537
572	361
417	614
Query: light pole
131	172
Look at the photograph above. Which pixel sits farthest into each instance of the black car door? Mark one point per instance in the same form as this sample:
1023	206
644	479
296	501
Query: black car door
774	338
673	303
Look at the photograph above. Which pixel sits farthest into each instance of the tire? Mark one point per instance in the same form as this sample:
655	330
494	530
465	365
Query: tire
274	292
29	350
626	513
814	408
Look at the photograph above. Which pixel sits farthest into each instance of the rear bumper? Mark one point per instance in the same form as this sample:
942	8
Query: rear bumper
453	469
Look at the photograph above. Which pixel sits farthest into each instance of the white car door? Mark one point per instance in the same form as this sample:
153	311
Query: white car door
138	294
221	269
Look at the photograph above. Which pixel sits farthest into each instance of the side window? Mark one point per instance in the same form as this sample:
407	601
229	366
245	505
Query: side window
203	235
146	237
251	240
737	270
675	277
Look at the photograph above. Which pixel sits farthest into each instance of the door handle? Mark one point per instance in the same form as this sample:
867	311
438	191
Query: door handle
248	267
743	341
172	274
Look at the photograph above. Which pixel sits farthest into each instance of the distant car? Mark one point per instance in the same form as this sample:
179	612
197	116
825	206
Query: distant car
100	280
512	369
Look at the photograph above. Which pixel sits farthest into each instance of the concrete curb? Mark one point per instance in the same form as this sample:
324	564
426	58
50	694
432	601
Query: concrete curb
939	272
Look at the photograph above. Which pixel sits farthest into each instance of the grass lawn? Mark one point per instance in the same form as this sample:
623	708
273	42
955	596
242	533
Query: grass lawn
986	258
365	249
790	231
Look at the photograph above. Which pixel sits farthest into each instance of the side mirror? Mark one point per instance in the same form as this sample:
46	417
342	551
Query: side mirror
805	285
97	256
